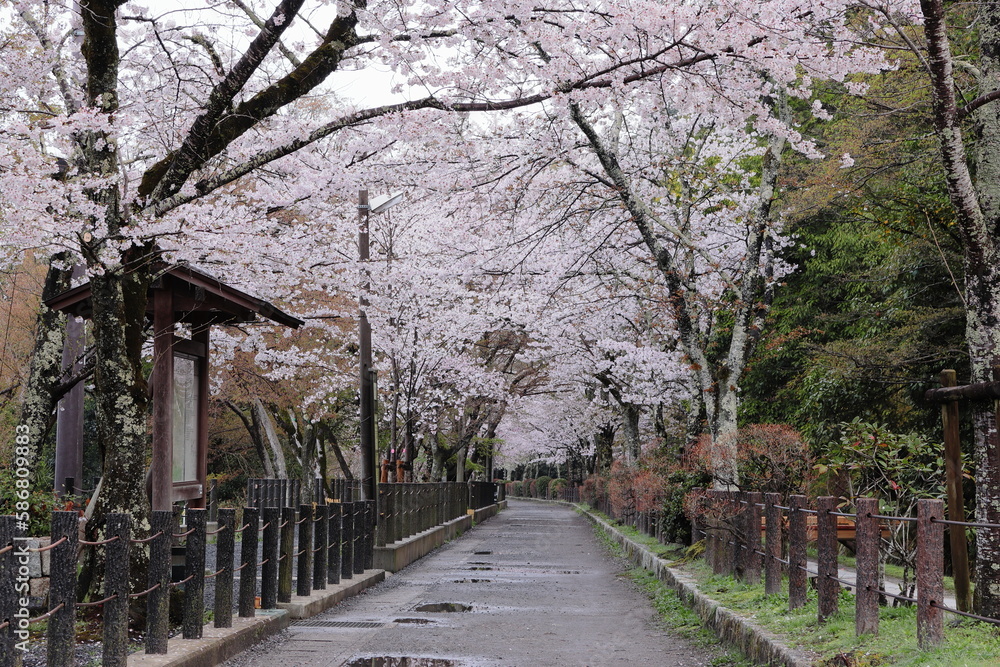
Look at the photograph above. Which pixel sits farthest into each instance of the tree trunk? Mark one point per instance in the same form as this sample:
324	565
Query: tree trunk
252	425
45	372
263	418
603	445
977	208
630	425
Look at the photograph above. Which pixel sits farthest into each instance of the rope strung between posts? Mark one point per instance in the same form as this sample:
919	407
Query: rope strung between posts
215	574
217	531
966	524
977	617
175	584
98	603
47	614
39	550
147	539
100	543
892	518
145	592
892	595
183	534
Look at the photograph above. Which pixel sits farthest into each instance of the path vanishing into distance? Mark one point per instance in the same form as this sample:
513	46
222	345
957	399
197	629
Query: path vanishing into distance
539	587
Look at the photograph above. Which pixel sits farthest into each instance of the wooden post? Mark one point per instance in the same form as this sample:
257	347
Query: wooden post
248	561
796	552
347	541
161	525
728	554
866	539
303	577
772	544
333	564
161	467
359	536
322	550
287	557
9	655
753	561
956	500
115	610
224	554
383	514
269	557
930	573
194	567
372	528
827	546
213	502
62	590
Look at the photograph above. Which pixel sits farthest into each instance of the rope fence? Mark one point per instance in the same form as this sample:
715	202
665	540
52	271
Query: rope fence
321	541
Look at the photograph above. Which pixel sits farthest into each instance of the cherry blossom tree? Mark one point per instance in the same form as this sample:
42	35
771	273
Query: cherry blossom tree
189	133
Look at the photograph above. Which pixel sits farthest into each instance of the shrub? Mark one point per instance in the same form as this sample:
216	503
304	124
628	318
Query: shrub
556	486
594	490
542	486
41	503
769	458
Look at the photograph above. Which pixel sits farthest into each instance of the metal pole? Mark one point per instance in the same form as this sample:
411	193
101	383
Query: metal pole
365	345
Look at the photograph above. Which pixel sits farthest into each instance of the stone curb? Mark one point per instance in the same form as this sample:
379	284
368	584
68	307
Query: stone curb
754	642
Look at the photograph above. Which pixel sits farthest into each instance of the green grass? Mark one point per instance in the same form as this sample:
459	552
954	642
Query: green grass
968	644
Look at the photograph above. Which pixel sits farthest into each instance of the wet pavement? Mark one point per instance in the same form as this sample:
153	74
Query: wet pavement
531	586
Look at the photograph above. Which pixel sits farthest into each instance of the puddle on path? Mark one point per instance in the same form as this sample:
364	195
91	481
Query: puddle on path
393	661
480	567
415	621
438	607
473	581
482	553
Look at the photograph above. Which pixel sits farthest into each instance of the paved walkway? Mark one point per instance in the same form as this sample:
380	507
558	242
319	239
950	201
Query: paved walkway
542	591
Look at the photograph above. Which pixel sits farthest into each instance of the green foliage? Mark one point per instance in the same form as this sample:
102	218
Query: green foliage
873	461
868	460
871	312
41	503
673	518
556	486
542	486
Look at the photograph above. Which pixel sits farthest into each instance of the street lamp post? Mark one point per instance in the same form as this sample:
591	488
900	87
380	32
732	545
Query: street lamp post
367	398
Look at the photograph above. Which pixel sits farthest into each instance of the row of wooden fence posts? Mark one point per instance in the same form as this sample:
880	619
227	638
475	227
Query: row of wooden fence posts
731	521
335	541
